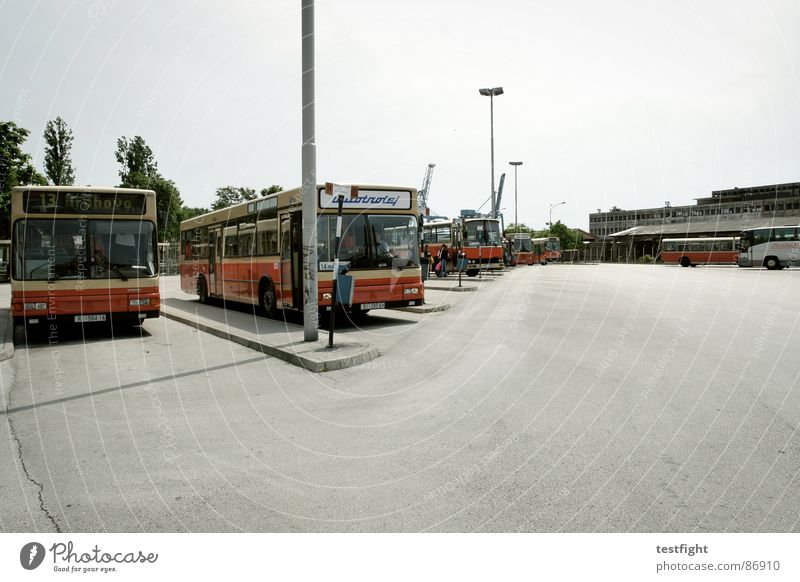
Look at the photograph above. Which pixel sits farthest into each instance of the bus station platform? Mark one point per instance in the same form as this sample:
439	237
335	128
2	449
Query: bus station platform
283	338
273	337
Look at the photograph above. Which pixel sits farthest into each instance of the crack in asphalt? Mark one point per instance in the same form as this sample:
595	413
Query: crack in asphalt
18	445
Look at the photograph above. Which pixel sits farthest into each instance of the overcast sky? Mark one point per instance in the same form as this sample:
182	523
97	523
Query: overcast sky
626	103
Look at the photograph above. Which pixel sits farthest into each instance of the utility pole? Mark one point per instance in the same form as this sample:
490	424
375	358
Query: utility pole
309	187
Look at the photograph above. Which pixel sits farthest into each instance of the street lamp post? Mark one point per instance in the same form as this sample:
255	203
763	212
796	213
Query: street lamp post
550	224
516	220
490	93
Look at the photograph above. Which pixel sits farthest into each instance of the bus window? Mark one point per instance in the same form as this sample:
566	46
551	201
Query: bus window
784	234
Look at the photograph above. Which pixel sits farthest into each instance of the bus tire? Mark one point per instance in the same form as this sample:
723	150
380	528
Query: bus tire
772	263
685	262
266	298
472	272
202	290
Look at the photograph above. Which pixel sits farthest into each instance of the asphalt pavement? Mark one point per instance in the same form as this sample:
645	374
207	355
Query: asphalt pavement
560	398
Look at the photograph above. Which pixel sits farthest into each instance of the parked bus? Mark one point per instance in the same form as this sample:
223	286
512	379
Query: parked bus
83	255
545	250
521	249
477	237
772	247
252	252
690	252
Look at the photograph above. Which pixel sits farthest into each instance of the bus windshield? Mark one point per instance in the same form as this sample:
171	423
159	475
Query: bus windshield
370	241
484	232
49	249
522	245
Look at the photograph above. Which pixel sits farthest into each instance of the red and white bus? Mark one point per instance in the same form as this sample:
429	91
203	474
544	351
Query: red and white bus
252	252
690	252
545	250
773	247
521	249
83	255
477	237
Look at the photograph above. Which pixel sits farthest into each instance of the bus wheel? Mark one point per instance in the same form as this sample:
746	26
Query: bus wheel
685	262
202	290
772	263
472	272
266	298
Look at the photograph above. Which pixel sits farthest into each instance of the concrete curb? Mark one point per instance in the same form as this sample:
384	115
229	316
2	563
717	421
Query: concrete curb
6	335
314	357
456	288
426	308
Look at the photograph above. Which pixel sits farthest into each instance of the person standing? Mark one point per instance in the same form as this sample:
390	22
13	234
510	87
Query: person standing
427	262
443	256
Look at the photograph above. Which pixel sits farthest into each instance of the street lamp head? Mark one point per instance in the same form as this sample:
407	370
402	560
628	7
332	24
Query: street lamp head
492	92
515	163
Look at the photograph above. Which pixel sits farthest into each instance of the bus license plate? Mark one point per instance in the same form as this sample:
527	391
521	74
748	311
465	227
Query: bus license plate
90	318
373	306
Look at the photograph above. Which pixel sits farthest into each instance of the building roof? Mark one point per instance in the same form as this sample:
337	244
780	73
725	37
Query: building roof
705	227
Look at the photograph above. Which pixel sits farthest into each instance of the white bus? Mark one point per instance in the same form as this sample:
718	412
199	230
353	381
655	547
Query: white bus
773	247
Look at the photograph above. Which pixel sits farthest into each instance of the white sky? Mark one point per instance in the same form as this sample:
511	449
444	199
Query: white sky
626	103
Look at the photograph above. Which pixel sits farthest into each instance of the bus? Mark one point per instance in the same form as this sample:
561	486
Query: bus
545	250
690	252
83	255
773	247
521	249
477	237
252	252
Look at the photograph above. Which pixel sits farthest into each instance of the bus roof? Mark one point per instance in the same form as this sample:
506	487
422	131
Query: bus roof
101	189
241	209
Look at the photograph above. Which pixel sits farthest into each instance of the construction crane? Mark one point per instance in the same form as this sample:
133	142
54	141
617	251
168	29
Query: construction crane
499	196
422	195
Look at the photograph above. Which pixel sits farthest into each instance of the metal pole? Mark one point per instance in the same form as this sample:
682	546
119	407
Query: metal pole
516	220
491	132
334	290
309	187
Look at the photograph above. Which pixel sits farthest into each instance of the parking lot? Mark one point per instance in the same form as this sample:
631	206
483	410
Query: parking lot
558	398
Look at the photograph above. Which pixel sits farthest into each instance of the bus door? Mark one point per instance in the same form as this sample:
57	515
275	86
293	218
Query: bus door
214	253
291	260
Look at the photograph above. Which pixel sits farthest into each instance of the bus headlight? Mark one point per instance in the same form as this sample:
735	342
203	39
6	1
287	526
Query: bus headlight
327	296
139	302
411	291
34	306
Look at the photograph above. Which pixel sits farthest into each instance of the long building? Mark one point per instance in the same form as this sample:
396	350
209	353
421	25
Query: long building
629	234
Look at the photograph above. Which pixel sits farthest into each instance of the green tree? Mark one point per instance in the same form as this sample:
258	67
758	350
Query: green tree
274	189
188	212
140	170
566	235
57	160
230	195
513	228
135	157
15	168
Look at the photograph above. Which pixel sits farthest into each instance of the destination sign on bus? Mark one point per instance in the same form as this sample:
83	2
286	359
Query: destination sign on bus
369	199
43	202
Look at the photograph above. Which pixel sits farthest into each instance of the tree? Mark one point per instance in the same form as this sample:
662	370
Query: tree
566	235
140	170
188	212
274	189
231	195
135	157
15	168
57	160
521	227
168	203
